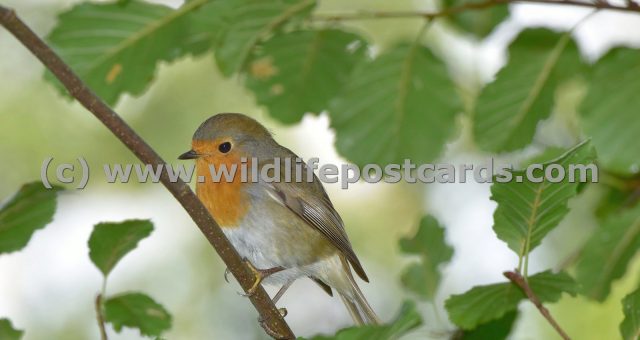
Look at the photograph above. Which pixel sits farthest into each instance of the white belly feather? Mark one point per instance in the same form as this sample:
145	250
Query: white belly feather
269	243
250	242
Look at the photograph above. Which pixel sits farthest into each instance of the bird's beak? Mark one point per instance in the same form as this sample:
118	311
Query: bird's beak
189	155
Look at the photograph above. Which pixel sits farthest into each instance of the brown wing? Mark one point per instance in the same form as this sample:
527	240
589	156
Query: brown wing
309	201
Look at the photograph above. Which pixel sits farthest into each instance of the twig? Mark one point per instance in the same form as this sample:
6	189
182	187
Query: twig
469	6
100	317
519	280
180	190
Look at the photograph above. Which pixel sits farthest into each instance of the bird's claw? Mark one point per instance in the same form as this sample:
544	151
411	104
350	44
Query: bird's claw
283	312
259	276
226	274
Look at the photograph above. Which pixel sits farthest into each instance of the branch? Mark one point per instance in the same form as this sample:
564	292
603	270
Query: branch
100	317
471	6
270	318
519	280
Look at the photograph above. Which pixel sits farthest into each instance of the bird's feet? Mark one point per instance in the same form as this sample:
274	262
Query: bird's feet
259	274
226	274
283	311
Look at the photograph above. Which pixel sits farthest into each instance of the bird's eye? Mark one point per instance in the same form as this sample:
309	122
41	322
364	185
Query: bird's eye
224	147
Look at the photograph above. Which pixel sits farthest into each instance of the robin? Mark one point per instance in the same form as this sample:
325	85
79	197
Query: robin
284	230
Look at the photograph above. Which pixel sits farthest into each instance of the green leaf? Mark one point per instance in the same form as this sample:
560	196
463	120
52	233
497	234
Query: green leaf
610	109
547	155
479	23
7	332
630	326
615	199
114	47
522	94
408	318
607	253
528	211
137	310
495	330
110	242
206	26
30	209
482	304
429	242
299	72
250	21
402	105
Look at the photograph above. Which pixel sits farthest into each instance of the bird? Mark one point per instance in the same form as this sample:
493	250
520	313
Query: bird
283	230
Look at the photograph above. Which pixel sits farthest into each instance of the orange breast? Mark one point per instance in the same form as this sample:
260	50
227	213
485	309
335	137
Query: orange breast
226	201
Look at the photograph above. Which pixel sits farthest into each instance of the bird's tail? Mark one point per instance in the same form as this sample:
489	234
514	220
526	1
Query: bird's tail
357	305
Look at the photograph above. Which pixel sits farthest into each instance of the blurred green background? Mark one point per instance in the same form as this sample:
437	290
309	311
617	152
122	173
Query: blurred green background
48	288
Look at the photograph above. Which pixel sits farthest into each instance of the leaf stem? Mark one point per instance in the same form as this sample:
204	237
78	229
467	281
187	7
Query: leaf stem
179	189
425	27
103	290
520	281
520	258
470	6
100	317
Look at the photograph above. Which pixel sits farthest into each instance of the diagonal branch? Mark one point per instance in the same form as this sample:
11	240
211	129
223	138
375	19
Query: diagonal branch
519	280
471	6
270	318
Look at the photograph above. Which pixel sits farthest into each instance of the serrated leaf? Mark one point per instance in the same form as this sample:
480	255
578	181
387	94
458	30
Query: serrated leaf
498	329
137	310
114	47
610	109
250	21
528	211
401	105
429	243
479	23
408	318
30	209
482	304
607	253
509	108
7	332
110	242
301	71
630	326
